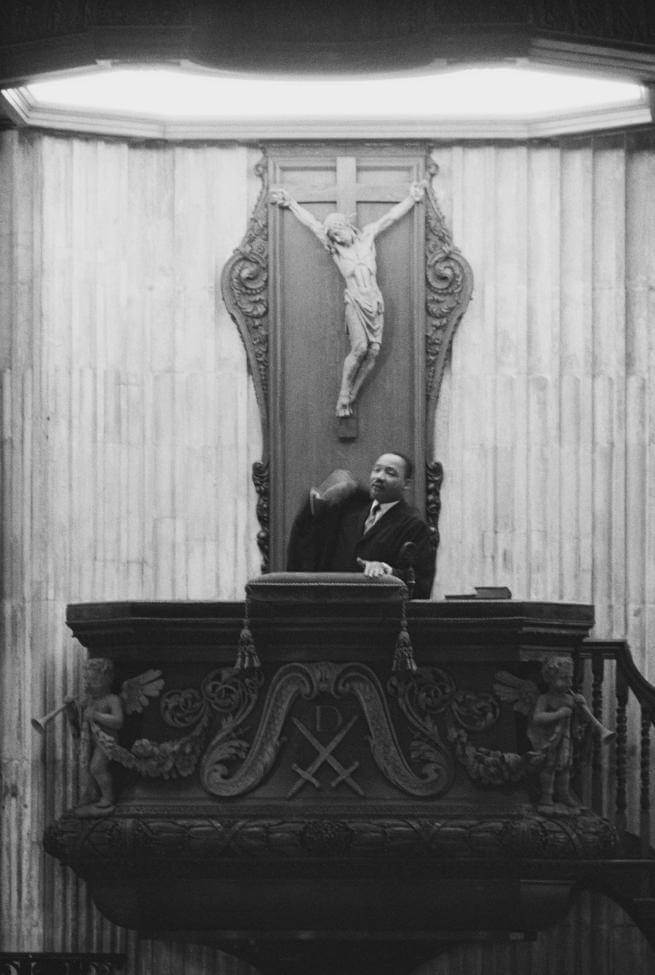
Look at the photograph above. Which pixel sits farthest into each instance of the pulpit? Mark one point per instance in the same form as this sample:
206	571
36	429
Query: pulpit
328	778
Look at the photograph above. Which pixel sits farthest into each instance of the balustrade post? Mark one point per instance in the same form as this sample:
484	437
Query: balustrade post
621	749
598	673
644	819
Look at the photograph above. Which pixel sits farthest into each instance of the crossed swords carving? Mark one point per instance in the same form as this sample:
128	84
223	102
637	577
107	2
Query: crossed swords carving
324	755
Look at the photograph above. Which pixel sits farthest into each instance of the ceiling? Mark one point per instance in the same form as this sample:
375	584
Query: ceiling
318	36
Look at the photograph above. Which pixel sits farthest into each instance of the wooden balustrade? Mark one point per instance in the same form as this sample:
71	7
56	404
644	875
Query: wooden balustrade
608	666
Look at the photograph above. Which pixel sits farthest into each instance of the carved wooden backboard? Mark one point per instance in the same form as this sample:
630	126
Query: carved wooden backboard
286	294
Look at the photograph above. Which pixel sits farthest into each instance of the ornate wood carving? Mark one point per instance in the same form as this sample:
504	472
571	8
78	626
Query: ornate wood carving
437	709
324	762
449	284
205	842
433	482
227	694
309	680
244	284
261	480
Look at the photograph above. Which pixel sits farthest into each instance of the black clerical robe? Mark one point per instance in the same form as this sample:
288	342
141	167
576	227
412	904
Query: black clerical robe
334	539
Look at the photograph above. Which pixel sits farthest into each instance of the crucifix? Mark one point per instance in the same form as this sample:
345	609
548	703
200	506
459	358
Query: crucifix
353	252
283	293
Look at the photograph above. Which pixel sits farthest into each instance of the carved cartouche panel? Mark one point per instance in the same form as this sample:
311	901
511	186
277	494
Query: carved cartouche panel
429	772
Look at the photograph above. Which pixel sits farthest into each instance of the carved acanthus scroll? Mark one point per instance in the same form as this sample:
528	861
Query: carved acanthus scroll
307	680
244	285
449	285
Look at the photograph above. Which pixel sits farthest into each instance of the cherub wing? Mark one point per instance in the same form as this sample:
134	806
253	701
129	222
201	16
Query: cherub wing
521	693
137	692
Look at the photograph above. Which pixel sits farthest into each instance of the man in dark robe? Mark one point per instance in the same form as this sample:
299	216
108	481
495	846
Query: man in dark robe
344	528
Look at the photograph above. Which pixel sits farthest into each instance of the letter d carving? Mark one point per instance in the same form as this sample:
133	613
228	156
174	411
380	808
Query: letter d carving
328	718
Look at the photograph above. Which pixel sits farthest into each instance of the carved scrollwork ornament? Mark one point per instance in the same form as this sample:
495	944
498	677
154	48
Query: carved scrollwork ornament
226	693
425	696
449	285
231	694
244	285
182	709
431	701
307	680
475	711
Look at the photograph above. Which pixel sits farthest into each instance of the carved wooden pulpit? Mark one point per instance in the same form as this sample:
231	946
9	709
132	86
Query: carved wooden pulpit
325	809
287	297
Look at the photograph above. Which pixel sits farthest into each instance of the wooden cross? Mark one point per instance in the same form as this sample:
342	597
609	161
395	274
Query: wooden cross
348	191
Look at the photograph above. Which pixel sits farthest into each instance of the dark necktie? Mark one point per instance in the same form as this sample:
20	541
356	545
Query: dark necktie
373	516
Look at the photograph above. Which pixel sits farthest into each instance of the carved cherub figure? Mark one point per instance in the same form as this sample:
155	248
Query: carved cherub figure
557	718
96	720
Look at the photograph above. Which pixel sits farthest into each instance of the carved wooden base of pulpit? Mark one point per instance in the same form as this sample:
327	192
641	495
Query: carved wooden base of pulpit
325	807
382	893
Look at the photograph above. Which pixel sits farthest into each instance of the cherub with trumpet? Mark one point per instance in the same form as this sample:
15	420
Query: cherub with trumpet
96	720
557	718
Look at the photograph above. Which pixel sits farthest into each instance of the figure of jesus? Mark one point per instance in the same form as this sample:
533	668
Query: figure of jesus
353	251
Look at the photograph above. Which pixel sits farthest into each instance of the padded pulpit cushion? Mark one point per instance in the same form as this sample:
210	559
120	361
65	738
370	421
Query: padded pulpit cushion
313	587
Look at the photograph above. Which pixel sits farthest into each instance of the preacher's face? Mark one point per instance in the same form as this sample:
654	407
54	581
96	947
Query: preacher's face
388	478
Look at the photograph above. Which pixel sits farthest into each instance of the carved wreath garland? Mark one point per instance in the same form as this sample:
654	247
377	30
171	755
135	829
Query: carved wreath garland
432	692
426	698
225	694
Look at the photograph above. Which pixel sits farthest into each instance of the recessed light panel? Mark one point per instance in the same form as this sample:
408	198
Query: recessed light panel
170	96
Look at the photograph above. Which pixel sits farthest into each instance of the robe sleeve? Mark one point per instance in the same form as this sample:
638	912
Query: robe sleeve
423	560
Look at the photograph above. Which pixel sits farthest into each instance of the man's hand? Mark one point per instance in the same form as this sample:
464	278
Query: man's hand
375	570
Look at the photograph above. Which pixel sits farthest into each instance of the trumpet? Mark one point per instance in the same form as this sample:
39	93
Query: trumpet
39	724
604	734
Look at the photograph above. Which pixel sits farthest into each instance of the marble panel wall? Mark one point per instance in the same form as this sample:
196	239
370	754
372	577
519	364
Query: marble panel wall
129	426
